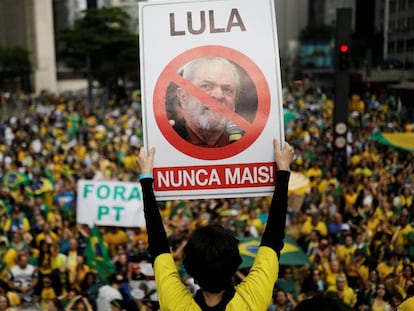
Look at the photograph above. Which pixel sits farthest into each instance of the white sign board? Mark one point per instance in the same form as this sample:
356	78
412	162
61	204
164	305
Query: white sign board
211	92
110	203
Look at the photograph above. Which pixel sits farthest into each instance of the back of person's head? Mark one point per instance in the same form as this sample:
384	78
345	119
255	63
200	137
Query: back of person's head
117	279
323	302
211	257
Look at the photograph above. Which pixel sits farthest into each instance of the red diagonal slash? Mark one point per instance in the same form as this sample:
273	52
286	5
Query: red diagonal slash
214	104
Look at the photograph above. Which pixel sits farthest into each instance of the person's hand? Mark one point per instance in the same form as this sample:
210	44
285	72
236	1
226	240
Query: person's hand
144	161
284	156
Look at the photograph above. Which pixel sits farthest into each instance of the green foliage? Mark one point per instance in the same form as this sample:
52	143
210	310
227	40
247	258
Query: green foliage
14	60
103	36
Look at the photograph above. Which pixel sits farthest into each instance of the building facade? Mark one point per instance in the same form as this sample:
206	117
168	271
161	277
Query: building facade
395	19
29	24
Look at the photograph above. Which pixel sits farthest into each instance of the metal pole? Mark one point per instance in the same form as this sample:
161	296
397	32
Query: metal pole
90	81
386	28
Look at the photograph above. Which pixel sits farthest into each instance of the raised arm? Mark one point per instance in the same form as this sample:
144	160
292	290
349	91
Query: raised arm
275	228
157	238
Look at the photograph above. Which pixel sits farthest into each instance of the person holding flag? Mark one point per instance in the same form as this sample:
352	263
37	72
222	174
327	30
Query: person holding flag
97	255
211	255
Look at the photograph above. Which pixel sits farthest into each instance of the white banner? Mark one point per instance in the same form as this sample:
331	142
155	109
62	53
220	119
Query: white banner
110	203
211	93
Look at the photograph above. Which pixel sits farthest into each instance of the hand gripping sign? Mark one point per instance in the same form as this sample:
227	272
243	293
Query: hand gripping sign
212	99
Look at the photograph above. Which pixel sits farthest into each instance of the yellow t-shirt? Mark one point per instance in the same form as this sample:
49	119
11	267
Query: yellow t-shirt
384	270
253	293
114	238
407	305
343	252
348	295
14	299
9	259
47	295
308	227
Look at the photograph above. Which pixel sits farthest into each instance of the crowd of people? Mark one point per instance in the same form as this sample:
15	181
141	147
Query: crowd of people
355	225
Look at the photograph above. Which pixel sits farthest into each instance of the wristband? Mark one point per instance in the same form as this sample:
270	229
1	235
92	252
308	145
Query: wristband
145	175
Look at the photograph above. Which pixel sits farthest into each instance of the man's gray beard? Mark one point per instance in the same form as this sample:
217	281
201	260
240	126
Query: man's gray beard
215	126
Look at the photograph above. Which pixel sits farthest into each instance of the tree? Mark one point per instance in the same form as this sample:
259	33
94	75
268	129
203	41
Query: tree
101	44
15	64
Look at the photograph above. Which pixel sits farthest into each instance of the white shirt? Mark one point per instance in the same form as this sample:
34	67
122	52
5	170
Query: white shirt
106	294
23	277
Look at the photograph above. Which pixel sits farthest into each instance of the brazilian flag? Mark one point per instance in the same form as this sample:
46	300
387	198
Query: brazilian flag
13	180
97	255
291	254
403	141
40	186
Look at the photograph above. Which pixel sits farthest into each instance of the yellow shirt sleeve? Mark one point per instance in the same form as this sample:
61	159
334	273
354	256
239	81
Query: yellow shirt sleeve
255	291
172	294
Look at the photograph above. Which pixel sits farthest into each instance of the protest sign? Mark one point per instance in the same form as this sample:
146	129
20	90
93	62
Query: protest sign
235	101
109	203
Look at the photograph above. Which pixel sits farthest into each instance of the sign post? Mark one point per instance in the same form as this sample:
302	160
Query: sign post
173	37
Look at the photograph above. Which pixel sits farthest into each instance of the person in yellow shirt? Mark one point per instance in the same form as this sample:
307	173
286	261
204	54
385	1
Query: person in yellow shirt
406	198
383	211
77	273
129	160
17	221
54	218
114	237
405	279
334	271
5	303
46	262
255	222
350	197
13	298
72	254
313	222
407	305
379	303
47	293
8	257
389	265
345	293
355	269
47	235
314	171
345	251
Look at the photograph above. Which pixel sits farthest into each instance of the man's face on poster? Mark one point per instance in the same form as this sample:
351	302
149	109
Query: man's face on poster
220	81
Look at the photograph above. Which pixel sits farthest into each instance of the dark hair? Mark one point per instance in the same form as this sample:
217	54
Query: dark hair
211	257
117	278
58	304
409	267
323	302
410	291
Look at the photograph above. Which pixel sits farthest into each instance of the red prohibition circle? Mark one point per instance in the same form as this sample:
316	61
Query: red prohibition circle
255	128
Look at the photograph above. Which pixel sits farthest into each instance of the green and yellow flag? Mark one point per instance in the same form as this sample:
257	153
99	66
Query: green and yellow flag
291	254
404	141
97	255
40	186
14	179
